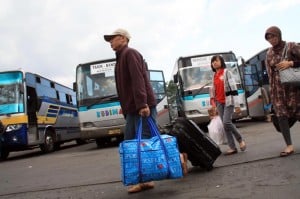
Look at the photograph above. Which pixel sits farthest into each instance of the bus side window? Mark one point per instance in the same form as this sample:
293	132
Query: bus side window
69	99
32	99
32	105
265	77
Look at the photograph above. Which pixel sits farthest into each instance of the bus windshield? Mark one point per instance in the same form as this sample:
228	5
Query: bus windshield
11	93
196	72
96	83
195	77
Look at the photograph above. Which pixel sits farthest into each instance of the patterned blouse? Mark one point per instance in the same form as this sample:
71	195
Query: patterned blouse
285	99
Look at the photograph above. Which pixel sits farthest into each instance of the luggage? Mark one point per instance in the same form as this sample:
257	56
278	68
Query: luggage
144	160
201	149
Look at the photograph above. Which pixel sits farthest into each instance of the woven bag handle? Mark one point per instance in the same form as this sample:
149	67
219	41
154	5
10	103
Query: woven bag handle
154	132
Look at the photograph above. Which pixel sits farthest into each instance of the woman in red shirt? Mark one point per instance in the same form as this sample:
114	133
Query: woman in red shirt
224	97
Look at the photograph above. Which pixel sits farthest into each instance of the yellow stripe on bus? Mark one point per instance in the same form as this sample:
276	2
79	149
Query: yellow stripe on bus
46	120
18	119
22	119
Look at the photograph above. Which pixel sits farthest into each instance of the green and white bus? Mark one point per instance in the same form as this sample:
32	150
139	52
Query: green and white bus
100	113
193	77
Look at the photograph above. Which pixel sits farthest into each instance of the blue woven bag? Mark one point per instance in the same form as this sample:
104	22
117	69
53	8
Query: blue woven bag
144	160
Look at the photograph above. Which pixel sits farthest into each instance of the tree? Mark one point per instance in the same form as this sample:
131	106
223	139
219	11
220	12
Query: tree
171	91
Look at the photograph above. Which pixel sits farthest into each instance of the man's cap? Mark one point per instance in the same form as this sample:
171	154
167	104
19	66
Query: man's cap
119	31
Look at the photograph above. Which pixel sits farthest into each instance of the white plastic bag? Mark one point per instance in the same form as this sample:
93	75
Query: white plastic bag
216	130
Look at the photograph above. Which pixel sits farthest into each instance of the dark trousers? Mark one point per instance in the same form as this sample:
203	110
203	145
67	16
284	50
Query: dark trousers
132	121
285	129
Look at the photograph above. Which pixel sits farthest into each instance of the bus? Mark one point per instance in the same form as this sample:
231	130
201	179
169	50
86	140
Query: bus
193	77
256	83
100	113
35	112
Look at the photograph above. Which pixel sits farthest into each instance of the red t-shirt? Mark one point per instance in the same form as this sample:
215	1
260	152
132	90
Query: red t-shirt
219	86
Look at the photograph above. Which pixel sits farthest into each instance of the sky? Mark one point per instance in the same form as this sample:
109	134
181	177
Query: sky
52	37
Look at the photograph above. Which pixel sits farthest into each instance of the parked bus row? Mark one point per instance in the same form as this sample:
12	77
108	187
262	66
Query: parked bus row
36	111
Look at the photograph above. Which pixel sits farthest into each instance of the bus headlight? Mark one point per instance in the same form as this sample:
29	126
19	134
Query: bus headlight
13	127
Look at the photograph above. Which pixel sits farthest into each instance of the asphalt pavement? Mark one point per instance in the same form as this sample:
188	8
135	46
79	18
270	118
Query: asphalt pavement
258	172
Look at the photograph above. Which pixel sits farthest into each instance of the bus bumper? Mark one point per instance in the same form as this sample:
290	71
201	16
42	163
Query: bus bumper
94	132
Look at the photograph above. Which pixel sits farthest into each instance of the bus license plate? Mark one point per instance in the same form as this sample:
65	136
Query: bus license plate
114	131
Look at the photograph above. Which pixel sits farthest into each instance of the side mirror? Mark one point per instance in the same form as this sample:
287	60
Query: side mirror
241	61
175	78
21	89
74	86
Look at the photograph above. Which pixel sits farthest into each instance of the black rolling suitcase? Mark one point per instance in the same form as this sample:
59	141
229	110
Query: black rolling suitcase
202	150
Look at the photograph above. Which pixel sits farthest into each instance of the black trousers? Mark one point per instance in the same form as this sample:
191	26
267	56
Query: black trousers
285	129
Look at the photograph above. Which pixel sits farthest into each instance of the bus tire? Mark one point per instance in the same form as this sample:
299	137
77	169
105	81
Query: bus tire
101	142
80	141
120	138
57	146
3	154
48	145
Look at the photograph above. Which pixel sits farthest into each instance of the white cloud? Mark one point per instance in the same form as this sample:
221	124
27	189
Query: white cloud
51	37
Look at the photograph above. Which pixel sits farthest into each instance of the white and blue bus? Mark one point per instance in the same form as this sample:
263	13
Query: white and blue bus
256	84
193	77
35	111
100	114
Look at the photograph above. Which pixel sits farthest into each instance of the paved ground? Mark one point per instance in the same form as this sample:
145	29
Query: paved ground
256	173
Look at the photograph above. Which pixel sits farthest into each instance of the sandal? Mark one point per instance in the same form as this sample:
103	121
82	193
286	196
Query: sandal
243	145
147	185
134	188
286	153
140	187
231	152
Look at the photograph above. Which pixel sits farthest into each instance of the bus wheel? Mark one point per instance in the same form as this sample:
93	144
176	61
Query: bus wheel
3	154
120	138
56	146
48	145
101	142
80	141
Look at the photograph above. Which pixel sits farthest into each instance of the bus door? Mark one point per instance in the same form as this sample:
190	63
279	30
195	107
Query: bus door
157	81
32	104
255	94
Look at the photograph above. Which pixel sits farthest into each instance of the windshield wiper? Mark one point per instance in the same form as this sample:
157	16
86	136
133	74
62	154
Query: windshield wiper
199	89
103	99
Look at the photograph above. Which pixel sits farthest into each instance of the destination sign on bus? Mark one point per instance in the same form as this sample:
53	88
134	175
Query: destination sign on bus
106	68
201	61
